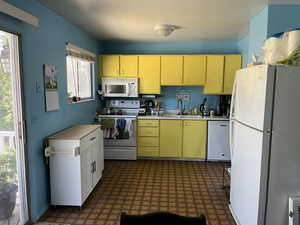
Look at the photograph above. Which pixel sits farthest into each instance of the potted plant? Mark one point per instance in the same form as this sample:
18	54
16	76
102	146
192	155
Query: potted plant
8	183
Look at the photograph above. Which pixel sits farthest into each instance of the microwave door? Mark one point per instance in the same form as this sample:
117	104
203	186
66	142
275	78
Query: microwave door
116	90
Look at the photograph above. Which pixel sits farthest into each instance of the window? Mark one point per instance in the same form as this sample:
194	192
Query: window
80	74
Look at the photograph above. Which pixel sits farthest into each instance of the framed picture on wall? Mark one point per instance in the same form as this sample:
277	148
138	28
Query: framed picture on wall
51	88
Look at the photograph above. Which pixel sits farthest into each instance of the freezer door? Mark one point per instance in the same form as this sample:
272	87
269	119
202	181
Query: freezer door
249	96
245	174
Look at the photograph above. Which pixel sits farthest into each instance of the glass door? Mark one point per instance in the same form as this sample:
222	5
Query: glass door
13	198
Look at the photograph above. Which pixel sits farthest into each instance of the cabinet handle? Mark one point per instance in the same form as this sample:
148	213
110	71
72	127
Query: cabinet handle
92	167
93	138
223	125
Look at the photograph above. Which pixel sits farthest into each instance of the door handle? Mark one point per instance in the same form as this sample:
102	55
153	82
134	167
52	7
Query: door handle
92	167
93	138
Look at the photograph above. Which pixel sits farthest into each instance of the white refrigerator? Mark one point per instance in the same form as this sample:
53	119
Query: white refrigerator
264	144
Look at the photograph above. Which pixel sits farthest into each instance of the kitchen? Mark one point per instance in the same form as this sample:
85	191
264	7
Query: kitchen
169	146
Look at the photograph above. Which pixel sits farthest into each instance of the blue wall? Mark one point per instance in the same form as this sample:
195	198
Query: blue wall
258	30
243	46
46	45
169	97
282	18
204	47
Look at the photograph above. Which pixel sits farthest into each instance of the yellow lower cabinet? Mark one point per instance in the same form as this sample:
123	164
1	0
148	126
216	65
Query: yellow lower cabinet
194	139
148	138
148	151
170	138
148	132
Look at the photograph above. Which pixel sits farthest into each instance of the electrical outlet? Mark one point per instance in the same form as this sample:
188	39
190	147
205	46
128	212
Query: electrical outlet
37	88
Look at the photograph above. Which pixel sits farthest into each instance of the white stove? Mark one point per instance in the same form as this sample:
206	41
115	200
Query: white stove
120	131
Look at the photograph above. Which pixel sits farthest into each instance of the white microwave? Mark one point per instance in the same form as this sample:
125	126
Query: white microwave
120	87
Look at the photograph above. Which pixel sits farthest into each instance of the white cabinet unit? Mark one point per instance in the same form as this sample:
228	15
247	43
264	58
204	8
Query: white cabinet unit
218	141
72	176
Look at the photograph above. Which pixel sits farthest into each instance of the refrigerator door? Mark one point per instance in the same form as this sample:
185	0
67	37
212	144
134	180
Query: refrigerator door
246	174
249	96
284	178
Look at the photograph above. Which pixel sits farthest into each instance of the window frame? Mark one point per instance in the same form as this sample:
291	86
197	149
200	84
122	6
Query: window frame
92	80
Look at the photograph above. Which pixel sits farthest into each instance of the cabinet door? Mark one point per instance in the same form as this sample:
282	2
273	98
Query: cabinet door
232	64
214	74
194	69
194	139
171	69
128	65
101	147
86	171
96	157
110	65
171	138
149	74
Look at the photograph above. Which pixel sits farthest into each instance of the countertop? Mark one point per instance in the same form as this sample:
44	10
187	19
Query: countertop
75	132
182	117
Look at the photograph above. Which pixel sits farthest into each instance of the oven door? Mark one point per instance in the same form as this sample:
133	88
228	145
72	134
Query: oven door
124	138
116	90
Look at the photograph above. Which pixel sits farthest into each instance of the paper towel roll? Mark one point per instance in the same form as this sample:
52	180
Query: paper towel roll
293	42
274	50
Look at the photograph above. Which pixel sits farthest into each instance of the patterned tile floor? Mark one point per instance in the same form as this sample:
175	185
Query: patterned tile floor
138	187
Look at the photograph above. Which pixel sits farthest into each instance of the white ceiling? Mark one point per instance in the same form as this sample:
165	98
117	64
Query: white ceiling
133	20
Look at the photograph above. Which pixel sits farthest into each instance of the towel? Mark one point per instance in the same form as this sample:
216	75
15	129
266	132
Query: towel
115	131
121	123
108	123
129	127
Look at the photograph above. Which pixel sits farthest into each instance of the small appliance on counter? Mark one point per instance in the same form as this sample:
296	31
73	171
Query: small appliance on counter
150	107
120	87
224	106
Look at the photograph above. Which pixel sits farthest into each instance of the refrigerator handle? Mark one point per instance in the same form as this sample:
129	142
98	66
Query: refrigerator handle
231	138
233	99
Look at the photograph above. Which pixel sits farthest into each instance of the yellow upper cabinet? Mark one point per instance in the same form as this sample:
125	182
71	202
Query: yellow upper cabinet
170	138
194	146
128	65
214	74
194	69
171	69
110	65
149	74
232	64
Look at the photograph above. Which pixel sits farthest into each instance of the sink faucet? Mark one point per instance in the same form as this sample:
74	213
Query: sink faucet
180	106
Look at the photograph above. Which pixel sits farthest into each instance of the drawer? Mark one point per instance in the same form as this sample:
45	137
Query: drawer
148	131
88	139
148	151
148	142
148	123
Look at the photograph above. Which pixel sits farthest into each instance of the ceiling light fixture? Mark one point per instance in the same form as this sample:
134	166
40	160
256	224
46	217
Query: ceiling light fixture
164	29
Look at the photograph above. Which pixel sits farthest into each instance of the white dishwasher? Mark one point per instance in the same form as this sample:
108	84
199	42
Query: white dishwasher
218	141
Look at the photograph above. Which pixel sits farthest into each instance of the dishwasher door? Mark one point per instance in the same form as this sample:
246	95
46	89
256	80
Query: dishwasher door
218	148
